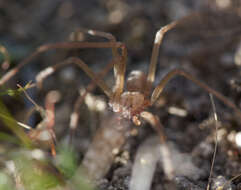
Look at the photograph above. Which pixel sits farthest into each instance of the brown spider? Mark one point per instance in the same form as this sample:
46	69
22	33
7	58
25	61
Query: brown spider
132	103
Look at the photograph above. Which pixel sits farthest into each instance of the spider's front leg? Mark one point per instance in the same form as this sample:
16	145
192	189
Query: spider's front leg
155	53
152	69
61	45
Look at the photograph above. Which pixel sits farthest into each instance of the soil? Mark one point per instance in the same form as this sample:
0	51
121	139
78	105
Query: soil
207	45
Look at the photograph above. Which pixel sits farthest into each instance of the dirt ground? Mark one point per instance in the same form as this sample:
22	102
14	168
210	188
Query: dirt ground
207	45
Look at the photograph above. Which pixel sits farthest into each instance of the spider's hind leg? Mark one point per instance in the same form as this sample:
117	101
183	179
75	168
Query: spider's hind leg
175	72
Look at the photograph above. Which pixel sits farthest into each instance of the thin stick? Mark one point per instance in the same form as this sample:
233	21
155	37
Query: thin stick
229	181
216	140
37	107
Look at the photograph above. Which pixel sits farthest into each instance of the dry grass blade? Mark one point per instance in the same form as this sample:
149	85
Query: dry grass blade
216	140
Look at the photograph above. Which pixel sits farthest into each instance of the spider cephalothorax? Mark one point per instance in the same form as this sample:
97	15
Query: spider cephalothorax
133	101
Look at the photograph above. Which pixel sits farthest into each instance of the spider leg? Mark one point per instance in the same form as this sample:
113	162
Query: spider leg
154	121
74	60
106	35
95	78
119	66
61	45
155	52
75	114
159	88
74	117
119	69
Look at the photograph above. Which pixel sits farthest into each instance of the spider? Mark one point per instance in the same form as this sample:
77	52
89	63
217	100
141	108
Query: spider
132	103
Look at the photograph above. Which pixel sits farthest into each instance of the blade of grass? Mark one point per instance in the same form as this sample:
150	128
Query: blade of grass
11	123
